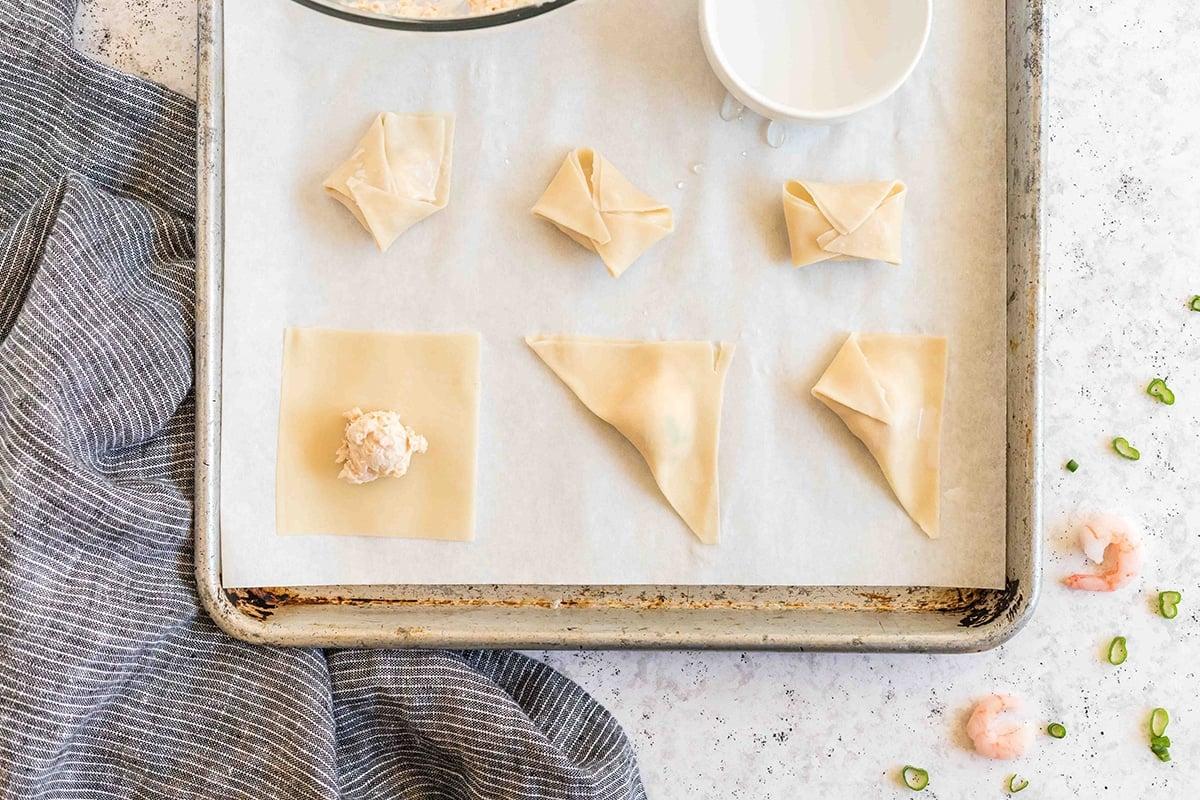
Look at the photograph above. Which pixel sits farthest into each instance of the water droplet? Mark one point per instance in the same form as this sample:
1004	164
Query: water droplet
507	161
698	167
743	154
731	108
777	133
679	185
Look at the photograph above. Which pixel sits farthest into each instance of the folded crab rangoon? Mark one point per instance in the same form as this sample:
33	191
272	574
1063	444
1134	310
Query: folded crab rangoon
889	390
600	209
665	398
844	221
398	175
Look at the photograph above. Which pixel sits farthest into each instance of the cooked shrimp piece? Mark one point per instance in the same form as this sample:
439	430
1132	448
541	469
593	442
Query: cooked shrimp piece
996	738
1111	542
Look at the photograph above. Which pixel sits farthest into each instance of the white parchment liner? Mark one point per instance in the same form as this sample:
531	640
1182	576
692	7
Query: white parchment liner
562	498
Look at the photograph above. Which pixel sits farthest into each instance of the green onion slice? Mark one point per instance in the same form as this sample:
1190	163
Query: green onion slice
914	778
1159	390
1160	743
1016	784
1118	651
1125	449
1057	730
1195	304
1168	604
1158	722
1072	465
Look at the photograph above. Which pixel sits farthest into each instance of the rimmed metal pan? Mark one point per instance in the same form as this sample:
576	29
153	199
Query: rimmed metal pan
848	618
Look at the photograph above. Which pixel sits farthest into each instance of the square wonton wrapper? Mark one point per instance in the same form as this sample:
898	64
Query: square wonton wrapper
431	380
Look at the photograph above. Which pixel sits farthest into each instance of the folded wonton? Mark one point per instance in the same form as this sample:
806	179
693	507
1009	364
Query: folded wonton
889	390
398	175
842	221
665	397
596	206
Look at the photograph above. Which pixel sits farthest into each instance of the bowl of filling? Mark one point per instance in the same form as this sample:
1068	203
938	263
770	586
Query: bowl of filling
813	61
435	15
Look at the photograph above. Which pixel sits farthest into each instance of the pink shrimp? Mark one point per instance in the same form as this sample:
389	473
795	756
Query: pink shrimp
990	739
1111	542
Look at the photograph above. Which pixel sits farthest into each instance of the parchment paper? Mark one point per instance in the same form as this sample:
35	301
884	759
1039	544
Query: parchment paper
563	498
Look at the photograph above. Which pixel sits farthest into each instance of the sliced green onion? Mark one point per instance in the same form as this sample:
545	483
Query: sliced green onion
1072	465
1195	304
914	778
1057	730
1168	604
1160	743
1016	784
1118	651
1125	449
1158	722
1159	390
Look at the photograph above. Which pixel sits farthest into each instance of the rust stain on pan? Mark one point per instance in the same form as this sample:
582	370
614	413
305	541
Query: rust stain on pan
977	605
993	606
259	603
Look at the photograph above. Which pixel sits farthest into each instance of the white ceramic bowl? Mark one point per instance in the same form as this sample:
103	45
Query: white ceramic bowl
813	61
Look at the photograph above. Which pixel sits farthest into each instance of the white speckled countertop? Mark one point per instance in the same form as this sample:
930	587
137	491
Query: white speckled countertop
1123	194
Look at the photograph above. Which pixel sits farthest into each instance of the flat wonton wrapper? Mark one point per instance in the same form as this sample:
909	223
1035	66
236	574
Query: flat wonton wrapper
398	175
665	398
844	221
600	209
890	389
430	380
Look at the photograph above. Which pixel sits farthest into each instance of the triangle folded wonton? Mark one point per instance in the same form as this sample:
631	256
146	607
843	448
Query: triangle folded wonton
889	389
665	398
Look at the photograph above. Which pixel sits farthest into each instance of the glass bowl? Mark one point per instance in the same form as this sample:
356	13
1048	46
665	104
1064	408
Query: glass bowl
345	9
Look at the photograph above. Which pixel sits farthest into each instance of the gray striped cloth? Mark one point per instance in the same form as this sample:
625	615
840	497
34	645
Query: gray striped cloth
113	683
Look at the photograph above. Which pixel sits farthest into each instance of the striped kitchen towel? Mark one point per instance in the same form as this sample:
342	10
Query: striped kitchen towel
113	682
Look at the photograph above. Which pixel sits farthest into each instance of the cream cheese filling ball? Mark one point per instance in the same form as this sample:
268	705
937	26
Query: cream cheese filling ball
377	444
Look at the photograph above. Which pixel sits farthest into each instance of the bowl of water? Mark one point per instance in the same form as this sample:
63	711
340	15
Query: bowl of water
814	61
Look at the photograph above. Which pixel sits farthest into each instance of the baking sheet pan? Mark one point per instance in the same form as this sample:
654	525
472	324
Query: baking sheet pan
779	616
